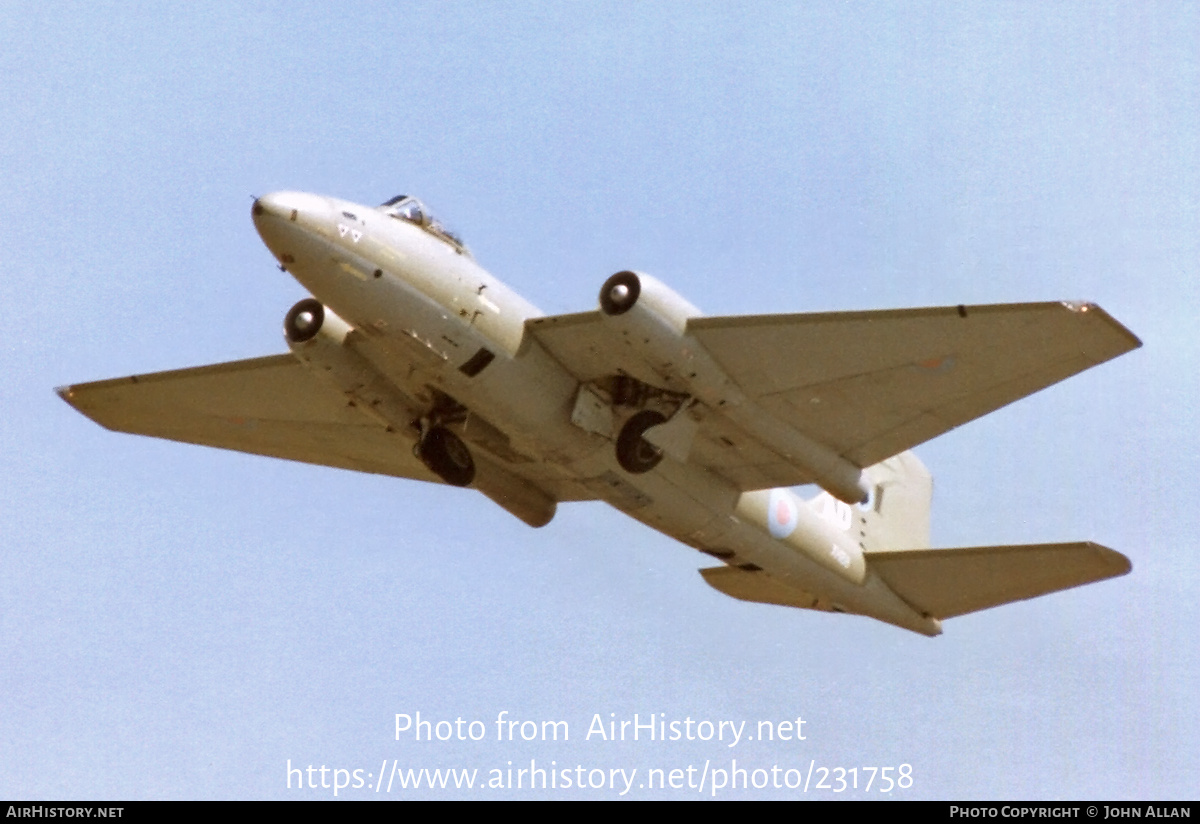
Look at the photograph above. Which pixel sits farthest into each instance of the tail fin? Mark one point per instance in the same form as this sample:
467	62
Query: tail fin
896	516
943	583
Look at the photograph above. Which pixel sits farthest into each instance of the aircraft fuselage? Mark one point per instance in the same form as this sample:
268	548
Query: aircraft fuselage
431	340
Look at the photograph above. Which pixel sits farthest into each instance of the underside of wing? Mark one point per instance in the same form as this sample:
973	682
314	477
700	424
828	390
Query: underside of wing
943	583
872	384
265	406
867	385
722	446
582	344
276	407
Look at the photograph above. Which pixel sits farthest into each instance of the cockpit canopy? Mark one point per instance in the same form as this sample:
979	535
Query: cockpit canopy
404	207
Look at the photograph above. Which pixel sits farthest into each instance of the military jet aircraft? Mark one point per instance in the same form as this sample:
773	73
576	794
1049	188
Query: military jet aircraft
410	360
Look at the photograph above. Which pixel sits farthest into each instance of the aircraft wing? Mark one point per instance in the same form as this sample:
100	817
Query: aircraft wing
265	406
873	384
868	385
949	582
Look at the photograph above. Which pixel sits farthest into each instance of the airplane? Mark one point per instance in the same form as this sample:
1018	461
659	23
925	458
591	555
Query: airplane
411	360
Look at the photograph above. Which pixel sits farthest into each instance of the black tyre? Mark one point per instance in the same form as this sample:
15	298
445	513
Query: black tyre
634	453
447	457
304	320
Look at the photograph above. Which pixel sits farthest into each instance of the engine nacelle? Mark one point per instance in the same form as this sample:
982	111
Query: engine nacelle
310	318
319	338
651	320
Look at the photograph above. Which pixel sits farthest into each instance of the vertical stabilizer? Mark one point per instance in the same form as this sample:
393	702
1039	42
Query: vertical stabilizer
897	515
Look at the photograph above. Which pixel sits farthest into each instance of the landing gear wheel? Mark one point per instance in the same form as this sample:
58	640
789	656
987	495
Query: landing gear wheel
447	457
634	453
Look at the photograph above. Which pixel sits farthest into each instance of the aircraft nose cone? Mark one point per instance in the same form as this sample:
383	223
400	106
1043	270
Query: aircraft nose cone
288	221
296	207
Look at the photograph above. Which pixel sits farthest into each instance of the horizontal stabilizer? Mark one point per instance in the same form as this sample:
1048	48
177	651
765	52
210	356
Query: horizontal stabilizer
756	586
944	583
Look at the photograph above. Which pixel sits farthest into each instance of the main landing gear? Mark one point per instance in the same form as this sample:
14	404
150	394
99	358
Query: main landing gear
446	456
443	452
635	454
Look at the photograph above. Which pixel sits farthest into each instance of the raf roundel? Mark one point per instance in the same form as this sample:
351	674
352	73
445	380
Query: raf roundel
781	513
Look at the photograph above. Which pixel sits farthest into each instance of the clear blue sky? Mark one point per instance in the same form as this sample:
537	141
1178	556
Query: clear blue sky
179	622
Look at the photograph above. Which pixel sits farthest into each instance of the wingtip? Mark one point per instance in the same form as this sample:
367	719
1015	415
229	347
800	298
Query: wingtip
1121	564
1084	307
1118	563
